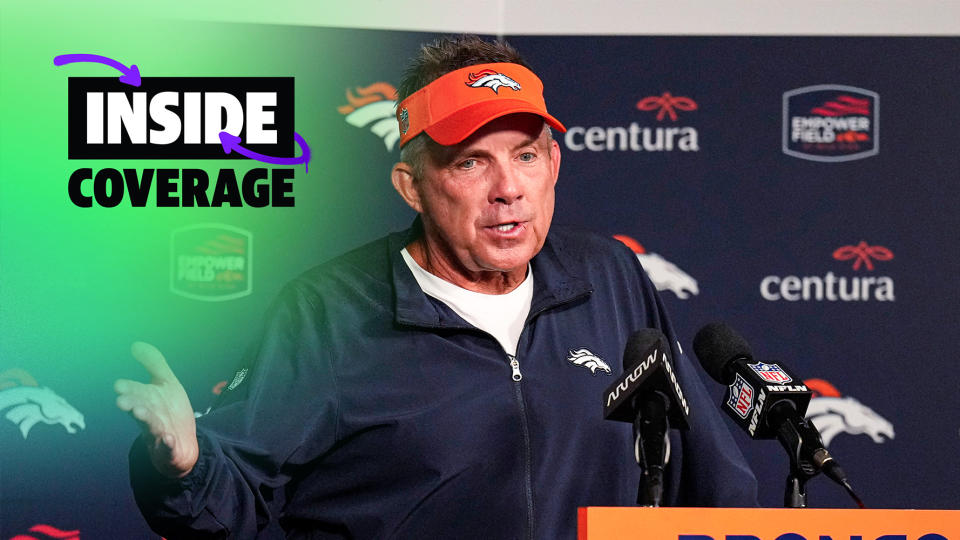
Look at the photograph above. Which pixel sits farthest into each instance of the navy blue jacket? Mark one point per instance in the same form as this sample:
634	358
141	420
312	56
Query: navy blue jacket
370	410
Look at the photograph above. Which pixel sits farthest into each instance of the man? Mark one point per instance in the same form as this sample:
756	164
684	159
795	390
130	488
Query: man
425	385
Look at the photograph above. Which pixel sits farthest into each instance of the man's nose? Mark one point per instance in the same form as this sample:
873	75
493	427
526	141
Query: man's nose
507	185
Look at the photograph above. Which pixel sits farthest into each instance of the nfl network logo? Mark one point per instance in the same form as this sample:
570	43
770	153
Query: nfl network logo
771	373
741	397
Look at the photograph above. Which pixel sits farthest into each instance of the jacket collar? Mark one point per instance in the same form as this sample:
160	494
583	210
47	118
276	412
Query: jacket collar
553	284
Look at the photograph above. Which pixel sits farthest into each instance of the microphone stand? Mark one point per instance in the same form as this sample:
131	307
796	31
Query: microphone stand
650	444
796	439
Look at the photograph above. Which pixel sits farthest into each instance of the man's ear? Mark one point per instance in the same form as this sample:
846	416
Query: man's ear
402	178
555	160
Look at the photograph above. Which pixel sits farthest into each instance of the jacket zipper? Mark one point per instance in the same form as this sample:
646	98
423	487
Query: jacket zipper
527	462
517	376
515	365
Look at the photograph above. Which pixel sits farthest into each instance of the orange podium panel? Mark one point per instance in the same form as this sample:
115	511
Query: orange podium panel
619	523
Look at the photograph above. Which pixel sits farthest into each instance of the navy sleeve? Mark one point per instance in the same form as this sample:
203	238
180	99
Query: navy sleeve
706	466
279	411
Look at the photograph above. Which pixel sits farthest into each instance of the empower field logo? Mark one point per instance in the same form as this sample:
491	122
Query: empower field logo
831	122
211	262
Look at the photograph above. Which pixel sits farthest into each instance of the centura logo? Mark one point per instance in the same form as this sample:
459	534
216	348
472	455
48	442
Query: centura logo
664	274
586	359
830	122
374	107
48	531
741	397
861	254
770	372
211	261
833	287
488	78
638	138
833	414
667	104
27	404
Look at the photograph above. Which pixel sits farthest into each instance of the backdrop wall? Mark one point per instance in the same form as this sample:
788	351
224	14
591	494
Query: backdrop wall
828	245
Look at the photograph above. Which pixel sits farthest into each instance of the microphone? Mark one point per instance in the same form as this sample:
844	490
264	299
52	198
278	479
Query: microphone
648	396
767	401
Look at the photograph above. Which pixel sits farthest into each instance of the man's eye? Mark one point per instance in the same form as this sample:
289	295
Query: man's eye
528	156
468	164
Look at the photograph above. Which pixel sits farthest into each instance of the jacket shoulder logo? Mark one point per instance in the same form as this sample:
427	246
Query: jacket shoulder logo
492	80
238	378
586	359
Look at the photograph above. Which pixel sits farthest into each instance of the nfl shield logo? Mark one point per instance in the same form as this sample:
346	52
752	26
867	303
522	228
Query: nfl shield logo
771	373
741	397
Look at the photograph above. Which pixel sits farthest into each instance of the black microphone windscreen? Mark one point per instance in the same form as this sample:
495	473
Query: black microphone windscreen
716	345
638	345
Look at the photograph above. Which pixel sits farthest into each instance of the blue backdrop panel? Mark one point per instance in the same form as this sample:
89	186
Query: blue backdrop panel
676	143
739	213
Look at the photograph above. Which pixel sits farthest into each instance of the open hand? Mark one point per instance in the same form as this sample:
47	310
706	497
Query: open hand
164	413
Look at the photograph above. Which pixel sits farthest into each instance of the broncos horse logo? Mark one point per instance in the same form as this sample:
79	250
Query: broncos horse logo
29	404
664	274
834	414
374	106
492	80
585	358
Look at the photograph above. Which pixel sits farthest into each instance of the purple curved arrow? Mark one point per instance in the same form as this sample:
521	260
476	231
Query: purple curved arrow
232	142
131	75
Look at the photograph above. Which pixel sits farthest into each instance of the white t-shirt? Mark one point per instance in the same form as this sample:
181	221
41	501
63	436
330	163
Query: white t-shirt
500	315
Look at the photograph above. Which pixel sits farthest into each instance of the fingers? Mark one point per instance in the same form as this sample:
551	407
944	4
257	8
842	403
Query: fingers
154	362
163	411
131	393
144	403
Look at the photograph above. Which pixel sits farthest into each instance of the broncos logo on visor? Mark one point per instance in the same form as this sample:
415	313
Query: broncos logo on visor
492	80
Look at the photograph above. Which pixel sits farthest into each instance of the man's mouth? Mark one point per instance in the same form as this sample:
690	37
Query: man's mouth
507	227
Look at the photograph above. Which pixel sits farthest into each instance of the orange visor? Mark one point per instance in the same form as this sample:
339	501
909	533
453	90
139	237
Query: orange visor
455	105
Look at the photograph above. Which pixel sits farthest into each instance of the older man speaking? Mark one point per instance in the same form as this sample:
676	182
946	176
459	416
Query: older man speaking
427	385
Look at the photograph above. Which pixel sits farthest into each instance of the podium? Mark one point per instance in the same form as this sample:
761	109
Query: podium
619	523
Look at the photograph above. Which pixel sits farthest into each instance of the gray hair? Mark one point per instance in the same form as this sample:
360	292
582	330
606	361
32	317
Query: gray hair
436	59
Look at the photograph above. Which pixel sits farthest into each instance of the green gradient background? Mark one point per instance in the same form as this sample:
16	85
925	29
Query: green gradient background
78	285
